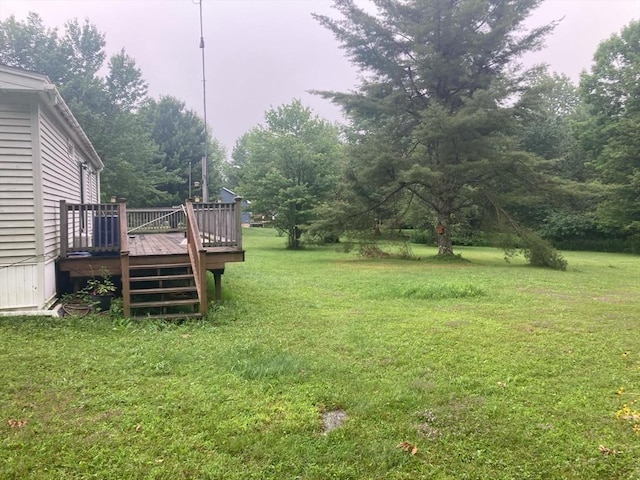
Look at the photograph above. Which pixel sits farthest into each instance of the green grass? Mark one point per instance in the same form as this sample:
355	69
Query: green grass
492	370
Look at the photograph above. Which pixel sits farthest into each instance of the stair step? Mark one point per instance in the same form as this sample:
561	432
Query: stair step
159	265
181	276
163	290
165	303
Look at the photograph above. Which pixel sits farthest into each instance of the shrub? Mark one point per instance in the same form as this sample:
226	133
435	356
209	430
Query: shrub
423	237
541	253
537	251
371	250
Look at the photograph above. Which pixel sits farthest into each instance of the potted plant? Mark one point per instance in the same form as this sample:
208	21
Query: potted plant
101	289
78	303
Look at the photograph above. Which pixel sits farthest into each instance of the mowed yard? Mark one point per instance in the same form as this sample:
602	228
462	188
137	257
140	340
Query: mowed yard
444	370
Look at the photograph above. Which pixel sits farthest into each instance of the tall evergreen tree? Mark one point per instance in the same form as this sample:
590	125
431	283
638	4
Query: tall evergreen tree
434	114
180	135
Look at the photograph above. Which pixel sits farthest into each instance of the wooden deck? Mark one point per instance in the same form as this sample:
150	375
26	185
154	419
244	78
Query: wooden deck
164	256
144	249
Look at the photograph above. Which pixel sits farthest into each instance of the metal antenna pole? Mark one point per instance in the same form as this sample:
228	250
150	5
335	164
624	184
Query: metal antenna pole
205	166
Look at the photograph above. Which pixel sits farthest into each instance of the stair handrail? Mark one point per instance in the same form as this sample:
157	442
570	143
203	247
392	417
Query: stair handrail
197	256
150	222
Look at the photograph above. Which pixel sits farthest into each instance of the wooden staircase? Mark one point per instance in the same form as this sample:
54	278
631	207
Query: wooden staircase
163	290
176	286
162	276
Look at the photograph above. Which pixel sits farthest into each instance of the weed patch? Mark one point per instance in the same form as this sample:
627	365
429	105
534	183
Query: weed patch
430	291
256	362
438	292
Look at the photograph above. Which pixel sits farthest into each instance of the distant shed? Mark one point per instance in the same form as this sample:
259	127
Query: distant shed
227	196
45	157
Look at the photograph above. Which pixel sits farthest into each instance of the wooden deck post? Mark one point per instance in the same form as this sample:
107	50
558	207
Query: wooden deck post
204	307
124	258
126	284
238	223
217	277
64	229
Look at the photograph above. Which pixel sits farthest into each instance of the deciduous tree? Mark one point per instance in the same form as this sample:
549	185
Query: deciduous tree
290	167
610	133
145	155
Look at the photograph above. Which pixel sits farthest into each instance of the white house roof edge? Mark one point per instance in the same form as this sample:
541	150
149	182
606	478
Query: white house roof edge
57	103
65	111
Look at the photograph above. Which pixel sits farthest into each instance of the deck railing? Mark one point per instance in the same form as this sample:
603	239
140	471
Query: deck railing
92	228
197	257
103	228
219	224
156	220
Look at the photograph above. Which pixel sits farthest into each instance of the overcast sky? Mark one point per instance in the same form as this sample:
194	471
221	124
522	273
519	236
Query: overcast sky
264	53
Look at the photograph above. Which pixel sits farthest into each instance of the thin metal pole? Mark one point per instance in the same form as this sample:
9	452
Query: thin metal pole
205	167
189	197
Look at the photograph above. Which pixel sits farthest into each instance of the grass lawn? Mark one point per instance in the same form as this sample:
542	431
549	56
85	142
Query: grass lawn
465	370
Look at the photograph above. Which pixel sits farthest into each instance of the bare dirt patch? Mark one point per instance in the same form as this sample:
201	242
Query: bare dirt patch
332	420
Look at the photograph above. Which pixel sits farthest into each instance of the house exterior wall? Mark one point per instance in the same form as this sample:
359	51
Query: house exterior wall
39	166
19	262
66	175
62	170
45	157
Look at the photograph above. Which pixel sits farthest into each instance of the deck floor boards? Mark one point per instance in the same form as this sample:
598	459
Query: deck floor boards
146	244
151	244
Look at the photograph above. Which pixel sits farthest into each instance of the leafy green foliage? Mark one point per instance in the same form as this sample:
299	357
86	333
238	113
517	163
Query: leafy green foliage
181	138
32	46
126	89
146	151
545	116
541	253
538	251
609	134
288	167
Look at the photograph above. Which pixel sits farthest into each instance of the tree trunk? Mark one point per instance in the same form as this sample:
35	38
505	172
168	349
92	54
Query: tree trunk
294	238
443	229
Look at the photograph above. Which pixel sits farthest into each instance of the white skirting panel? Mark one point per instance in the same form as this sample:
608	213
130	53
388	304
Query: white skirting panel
19	287
50	288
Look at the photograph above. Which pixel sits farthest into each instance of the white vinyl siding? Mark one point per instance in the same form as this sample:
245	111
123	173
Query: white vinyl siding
18	262
40	165
49	292
60	179
17	219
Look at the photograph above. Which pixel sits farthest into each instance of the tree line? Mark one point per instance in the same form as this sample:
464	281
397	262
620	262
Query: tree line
146	144
447	135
